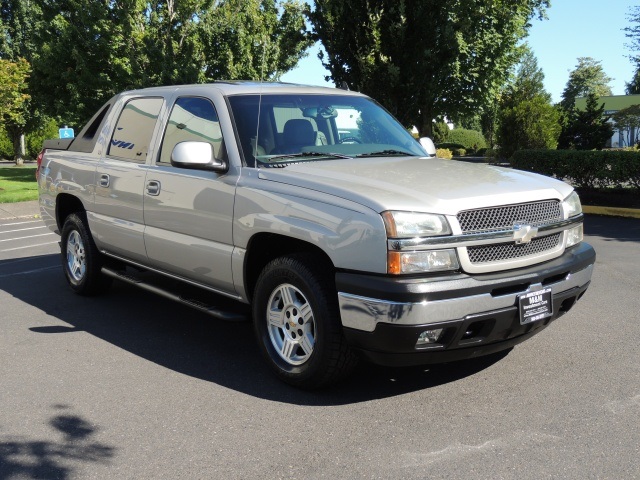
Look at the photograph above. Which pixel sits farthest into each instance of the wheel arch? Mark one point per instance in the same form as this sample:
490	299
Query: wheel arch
66	204
264	247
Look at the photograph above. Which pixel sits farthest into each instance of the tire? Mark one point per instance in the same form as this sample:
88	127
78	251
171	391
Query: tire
297	323
81	260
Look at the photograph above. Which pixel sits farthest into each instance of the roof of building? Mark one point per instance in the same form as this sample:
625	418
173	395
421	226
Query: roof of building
612	103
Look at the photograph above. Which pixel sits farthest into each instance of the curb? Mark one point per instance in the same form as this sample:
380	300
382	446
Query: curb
10	211
612	211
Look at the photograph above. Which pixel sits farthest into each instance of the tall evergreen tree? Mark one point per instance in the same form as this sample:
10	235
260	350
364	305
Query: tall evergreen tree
632	32
587	129
588	77
633	87
526	117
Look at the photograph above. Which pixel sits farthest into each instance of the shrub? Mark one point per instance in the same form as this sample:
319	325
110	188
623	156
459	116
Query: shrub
583	168
444	153
468	139
440	132
449	145
480	152
459	152
33	141
491	153
6	145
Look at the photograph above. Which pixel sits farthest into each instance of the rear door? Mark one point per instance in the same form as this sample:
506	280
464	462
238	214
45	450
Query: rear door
117	222
188	213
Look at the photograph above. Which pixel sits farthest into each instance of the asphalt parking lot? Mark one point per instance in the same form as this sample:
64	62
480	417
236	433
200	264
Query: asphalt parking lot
129	385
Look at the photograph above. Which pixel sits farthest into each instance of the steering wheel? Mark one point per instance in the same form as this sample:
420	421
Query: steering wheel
350	140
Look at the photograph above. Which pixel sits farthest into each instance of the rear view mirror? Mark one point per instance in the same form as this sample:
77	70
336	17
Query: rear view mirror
428	145
196	155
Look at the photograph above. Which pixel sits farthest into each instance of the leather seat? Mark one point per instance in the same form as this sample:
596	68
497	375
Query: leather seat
297	133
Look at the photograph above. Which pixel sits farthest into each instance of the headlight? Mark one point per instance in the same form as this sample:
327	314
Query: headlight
571	205
574	236
422	261
414	224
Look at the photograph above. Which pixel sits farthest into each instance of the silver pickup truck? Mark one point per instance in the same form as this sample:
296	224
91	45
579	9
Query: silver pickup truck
315	213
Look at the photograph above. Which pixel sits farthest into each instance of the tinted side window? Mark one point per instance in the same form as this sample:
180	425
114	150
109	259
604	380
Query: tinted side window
192	119
132	135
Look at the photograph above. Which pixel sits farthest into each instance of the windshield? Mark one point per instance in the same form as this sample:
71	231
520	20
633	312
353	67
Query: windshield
297	128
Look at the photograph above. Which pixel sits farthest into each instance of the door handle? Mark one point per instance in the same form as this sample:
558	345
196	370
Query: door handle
153	187
104	180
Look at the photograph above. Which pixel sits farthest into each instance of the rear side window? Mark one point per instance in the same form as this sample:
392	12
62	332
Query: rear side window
192	119
133	132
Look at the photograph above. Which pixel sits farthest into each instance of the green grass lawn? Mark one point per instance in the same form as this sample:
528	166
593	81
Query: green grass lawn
18	184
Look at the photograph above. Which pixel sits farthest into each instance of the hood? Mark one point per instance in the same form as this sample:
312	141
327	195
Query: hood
418	183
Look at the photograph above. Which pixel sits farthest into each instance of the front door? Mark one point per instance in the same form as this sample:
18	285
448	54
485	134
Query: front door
188	213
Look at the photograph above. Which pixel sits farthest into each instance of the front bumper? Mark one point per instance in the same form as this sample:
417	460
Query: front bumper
384	316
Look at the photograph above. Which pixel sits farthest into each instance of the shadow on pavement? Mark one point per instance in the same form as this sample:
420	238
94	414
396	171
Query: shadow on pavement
613	228
26	458
187	341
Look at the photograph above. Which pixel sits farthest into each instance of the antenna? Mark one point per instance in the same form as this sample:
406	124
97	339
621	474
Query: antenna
255	147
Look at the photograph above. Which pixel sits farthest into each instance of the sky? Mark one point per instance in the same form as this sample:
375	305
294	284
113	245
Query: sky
574	28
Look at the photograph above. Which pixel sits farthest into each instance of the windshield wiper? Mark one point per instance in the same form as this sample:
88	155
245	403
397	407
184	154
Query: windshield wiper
285	156
384	153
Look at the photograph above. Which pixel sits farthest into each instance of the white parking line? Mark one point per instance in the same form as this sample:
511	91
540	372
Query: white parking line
21	260
26	272
27	246
19	223
23	229
31	236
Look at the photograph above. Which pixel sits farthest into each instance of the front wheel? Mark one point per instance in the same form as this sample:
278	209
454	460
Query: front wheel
81	260
297	322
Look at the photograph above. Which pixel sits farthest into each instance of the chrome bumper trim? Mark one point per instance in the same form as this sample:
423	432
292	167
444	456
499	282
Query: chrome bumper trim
363	313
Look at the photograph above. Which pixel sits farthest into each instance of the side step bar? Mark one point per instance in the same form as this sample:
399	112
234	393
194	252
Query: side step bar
227	315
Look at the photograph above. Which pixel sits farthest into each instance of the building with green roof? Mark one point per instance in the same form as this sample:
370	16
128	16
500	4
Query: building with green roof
613	104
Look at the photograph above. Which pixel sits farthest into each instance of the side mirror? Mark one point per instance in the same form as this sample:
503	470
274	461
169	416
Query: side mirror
196	155
428	145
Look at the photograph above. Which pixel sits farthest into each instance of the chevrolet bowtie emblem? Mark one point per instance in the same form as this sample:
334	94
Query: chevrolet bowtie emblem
523	233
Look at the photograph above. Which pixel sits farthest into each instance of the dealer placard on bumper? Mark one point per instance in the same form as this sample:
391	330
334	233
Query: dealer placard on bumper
535	306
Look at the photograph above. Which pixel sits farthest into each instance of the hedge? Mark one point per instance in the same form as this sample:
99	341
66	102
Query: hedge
449	145
469	139
583	168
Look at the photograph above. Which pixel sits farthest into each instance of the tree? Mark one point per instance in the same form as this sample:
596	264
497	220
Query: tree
587	129
628	120
19	22
588	77
423	60
633	87
526	117
632	32
94	49
253	39
440	131
13	97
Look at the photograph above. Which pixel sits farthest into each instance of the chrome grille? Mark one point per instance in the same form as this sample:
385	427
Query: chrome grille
503	218
510	250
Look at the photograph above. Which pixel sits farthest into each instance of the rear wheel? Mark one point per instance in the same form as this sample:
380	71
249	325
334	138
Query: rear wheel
297	322
81	260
